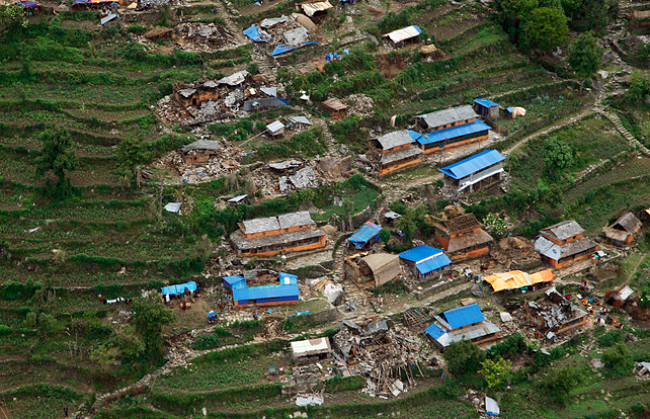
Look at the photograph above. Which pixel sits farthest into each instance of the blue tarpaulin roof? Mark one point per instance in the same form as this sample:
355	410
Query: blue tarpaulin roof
419	253
364	234
293	279
434	331
453	132
281	49
464	316
433	263
233	279
179	288
254	34
473	164
27	4
264	292
487	103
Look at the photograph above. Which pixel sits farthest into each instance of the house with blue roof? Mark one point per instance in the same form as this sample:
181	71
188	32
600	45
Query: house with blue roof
425	261
487	108
450	128
368	233
461	323
477	172
263	288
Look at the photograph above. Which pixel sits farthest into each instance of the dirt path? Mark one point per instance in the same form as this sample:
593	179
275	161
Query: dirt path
523	89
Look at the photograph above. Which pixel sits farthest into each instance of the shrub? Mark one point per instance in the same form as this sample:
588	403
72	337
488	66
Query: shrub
559	382
463	357
5	330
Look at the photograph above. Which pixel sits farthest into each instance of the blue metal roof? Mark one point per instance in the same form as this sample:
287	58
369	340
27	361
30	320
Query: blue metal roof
464	316
233	279
486	103
453	132
473	164
179	288
264	292
418	253
432	264
434	331
365	234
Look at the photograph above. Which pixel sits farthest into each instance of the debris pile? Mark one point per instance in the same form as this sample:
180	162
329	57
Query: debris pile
550	315
203	37
200	165
360	104
290	175
381	354
283	33
513	250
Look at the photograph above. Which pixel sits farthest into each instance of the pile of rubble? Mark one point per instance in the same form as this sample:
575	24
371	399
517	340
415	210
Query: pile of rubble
513	249
221	163
283	34
360	104
381	354
194	37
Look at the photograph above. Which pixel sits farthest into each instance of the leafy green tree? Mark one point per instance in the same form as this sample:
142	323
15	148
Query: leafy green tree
546	28
585	55
56	157
558	156
150	317
617	359
407	224
639	88
596	12
572	7
497	226
463	357
11	16
131	152
496	372
512	12
384	235
559	382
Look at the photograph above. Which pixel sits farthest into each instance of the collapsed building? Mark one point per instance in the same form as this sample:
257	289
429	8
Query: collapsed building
201	151
293	232
263	287
563	244
380	354
623	230
395	150
462	323
287	33
463	237
552	314
478	172
450	128
376	269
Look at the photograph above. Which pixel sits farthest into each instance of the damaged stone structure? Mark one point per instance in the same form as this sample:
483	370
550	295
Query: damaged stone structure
376	269
623	230
553	314
463	237
293	232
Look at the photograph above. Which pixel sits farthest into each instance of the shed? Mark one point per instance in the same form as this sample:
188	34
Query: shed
518	279
491	407
335	107
179	289
368	232
487	108
299	120
384	266
319	347
622	231
313	7
230	281
173	207
481	170
275	129
405	34
425	260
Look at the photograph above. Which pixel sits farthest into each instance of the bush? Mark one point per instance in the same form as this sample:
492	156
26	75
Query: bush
559	382
463	357
617	360
5	330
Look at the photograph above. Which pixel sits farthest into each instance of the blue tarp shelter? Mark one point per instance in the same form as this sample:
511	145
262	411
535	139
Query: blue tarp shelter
365	234
254	33
473	164
27	4
282	49
179	288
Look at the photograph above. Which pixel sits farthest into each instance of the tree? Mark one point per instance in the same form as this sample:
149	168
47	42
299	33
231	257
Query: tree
559	382
546	28
384	235
463	357
496	372
130	153
407	224
496	225
150	317
513	12
558	156
617	359
11	16
56	158
585	55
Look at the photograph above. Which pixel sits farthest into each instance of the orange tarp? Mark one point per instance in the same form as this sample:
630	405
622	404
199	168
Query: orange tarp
517	279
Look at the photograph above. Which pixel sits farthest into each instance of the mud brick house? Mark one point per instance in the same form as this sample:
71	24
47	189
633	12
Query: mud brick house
462	323
563	244
262	288
376	269
194	96
622	231
201	151
450	128
293	232
335	108
552	314
395	150
425	261
478	172
463	237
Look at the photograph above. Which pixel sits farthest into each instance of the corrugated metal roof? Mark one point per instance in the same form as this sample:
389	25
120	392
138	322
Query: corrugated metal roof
448	116
272	102
365	234
404	34
234	79
430	265
233	279
300	120
420	253
310	346
446	338
264	292
174	207
491	407
275	126
453	132
179	288
464	316
310	8
473	164
434	331
486	103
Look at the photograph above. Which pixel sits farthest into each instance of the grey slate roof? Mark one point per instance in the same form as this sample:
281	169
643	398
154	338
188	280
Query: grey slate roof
563	230
557	252
243	243
186	92
210	84
400	154
201	145
448	116
260	225
394	139
283	165
295	219
627	222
